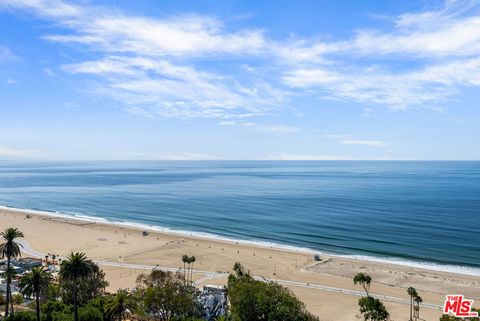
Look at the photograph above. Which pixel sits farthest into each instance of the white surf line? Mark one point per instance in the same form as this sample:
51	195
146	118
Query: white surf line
209	275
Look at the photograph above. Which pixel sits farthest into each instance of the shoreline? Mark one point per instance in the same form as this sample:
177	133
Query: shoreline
425	265
123	253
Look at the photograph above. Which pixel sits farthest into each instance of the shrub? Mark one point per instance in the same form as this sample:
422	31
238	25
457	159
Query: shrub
90	314
22	316
56	311
17	298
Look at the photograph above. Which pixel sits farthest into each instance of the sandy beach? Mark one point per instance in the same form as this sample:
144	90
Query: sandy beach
326	287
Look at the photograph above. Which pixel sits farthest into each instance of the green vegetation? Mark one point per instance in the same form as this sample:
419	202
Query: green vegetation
88	287
447	317
22	316
120	305
159	295
75	269
412	292
372	309
188	271
79	295
364	280
253	300
17	299
35	282
416	307
164	296
10	249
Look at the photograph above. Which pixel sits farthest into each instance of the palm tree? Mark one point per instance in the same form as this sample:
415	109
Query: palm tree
185	260
10	249
35	282
119	305
417	300
75	268
192	260
10	273
412	293
364	280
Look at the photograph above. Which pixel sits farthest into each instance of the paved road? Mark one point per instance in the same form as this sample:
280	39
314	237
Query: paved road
209	275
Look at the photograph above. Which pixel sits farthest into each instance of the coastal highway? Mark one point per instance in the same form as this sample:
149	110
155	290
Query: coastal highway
209	275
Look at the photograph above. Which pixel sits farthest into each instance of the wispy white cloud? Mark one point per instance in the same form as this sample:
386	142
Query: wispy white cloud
182	156
9	152
276	129
157	87
181	66
49	72
372	143
176	36
440	46
306	157
384	156
428	86
451	31
6	54
147	63
45	8
189	156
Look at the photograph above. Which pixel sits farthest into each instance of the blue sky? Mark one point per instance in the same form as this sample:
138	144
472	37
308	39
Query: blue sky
190	79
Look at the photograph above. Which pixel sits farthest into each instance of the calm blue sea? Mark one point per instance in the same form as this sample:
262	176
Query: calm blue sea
423	212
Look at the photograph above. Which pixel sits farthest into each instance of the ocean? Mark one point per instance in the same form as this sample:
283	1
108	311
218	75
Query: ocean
411	213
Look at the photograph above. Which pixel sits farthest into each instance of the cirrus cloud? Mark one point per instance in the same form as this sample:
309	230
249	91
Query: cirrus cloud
192	65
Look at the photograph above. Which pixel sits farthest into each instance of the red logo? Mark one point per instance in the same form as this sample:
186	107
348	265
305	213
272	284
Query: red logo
459	306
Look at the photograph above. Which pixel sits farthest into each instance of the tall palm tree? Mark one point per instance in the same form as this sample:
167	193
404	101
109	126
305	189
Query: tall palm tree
185	260
74	269
417	300
119	305
35	282
364	280
10	249
10	273
192	260
412	293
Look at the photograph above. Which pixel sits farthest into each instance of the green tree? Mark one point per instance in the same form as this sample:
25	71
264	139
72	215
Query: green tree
412	292
89	288
185	260
253	300
10	248
34	283
191	260
364	280
372	309
165	296
89	314
119	305
22	316
75	269
56	311
59	311
10	273
53	292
